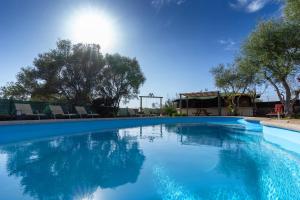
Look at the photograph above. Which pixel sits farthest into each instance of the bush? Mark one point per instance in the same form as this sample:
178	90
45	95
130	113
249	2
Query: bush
169	108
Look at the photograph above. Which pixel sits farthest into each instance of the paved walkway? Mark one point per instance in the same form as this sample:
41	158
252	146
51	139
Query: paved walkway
292	124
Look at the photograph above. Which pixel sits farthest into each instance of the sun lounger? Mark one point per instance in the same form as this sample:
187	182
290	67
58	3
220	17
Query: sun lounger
131	112
58	111
26	110
277	111
82	112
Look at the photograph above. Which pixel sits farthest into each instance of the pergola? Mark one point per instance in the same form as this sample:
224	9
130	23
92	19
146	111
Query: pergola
151	96
199	95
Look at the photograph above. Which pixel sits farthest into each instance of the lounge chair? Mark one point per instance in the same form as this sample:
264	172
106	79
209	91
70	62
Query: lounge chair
131	112
276	112
122	112
26	110
57	110
82	112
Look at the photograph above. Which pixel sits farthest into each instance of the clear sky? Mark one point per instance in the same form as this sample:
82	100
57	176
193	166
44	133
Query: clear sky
175	41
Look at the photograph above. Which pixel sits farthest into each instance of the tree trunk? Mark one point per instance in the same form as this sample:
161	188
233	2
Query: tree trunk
288	109
288	103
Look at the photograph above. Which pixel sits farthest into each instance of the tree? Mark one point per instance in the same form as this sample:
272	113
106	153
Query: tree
79	74
65	73
274	50
23	87
256	84
169	108
292	10
121	79
234	81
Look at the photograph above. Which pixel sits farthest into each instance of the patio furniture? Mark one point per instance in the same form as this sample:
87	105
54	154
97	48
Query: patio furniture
273	114
82	112
26	110
131	112
277	112
122	112
201	112
58	111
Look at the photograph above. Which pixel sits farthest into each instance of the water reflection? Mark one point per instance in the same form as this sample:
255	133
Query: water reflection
189	160
211	135
151	135
237	163
234	160
74	167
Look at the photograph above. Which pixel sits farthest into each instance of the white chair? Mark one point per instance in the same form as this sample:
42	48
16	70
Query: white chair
57	110
82	112
25	109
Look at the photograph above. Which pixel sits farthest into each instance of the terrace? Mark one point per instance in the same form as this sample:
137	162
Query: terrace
212	103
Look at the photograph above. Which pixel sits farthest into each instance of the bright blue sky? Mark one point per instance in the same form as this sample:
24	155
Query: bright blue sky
175	41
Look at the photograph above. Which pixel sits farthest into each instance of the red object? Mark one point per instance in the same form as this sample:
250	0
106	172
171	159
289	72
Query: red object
278	108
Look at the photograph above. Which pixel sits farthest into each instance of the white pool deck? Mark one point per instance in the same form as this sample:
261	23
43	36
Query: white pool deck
291	124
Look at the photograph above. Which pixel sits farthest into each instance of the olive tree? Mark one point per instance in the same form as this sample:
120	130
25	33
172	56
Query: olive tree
67	72
273	50
292	10
79	74
234	82
121	79
24	87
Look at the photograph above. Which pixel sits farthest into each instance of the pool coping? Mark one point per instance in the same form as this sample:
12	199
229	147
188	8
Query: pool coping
43	121
282	124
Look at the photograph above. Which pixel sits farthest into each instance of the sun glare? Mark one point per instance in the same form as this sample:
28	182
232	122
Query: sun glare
93	26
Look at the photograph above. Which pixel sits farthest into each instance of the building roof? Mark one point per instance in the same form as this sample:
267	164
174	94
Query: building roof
209	95
212	94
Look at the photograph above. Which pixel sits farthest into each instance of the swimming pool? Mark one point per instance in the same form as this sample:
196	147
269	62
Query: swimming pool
185	158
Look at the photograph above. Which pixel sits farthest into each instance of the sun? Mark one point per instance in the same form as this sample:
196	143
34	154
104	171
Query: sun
93	26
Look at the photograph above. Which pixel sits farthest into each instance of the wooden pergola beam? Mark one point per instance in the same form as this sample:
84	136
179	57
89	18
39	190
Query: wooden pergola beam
151	97
199	94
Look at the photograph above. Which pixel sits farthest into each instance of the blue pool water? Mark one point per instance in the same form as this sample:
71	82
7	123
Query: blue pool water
146	160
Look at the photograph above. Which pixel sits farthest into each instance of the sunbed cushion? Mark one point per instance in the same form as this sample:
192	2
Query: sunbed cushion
131	112
23	109
81	110
56	110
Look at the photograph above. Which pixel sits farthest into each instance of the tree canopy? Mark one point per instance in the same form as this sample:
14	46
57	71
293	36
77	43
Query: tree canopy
122	78
292	10
229	79
235	80
271	54
274	51
77	73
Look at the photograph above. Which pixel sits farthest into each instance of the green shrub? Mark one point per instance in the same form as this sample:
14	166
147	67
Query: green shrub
169	109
